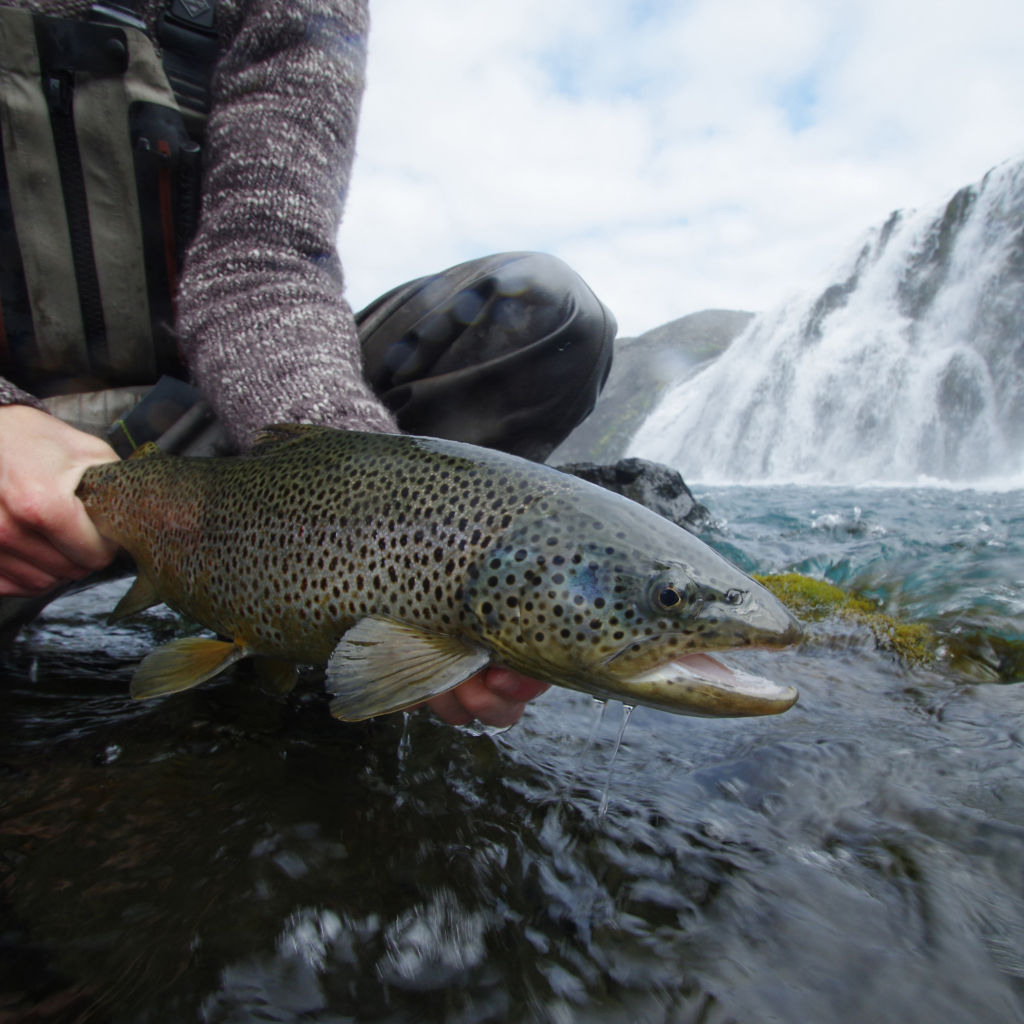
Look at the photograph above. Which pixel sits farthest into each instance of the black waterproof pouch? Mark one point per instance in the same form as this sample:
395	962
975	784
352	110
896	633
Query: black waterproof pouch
173	415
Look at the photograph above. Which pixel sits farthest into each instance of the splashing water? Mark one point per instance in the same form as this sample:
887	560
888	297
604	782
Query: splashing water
909	367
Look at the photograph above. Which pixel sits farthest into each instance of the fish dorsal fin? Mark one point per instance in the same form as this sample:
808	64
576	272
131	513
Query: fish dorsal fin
382	665
148	450
280	433
140	596
182	664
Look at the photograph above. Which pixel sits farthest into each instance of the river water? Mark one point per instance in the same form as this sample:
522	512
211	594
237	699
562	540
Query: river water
226	855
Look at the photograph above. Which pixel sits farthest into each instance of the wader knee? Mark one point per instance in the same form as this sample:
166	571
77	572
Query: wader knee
509	351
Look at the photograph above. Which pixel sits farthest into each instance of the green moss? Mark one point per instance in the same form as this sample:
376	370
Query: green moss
810	598
814	600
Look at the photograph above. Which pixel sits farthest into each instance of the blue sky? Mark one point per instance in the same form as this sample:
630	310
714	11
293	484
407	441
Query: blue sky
680	155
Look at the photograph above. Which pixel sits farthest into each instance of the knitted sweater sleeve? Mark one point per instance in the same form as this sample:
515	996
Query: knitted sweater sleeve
261	317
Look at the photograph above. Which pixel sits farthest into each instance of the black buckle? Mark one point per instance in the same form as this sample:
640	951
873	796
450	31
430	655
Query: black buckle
196	13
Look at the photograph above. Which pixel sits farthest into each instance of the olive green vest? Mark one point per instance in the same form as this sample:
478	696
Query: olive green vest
99	191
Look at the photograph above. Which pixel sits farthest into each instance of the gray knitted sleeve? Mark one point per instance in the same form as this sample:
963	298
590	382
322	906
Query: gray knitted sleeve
262	320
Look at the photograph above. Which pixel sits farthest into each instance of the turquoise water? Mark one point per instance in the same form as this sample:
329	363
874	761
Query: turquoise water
225	855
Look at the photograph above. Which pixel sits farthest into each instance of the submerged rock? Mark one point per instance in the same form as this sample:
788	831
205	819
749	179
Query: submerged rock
659	487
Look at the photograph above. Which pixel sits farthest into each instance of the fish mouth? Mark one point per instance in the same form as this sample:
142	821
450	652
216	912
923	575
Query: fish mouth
700	685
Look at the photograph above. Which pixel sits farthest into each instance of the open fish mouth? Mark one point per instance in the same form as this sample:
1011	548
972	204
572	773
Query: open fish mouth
698	684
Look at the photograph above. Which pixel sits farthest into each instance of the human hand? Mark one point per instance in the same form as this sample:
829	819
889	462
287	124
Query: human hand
46	535
495	697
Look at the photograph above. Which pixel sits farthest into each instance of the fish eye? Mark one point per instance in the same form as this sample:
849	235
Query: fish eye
734	596
668	596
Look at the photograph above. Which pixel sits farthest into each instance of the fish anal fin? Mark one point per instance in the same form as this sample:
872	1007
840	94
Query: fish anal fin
381	665
140	595
182	664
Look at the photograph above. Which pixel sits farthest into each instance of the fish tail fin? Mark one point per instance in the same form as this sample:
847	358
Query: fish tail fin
182	664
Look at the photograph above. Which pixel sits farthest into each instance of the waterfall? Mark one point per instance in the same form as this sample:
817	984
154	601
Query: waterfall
908	365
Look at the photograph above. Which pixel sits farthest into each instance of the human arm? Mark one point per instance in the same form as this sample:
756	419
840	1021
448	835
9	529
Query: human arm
262	319
46	536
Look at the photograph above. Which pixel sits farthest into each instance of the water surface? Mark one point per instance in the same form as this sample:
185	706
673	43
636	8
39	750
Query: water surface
226	855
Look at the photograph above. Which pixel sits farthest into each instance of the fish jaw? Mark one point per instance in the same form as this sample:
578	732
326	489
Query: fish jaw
704	687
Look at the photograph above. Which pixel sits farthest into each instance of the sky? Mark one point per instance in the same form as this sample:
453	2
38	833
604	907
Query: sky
679	154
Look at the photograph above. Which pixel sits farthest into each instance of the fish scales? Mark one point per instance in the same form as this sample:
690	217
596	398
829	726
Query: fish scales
409	563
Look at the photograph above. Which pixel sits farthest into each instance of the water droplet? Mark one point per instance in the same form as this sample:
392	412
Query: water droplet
627	710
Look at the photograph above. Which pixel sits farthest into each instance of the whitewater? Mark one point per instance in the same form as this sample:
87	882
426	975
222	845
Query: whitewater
903	365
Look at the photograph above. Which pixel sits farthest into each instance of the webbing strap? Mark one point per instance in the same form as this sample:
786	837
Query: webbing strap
37	199
102	126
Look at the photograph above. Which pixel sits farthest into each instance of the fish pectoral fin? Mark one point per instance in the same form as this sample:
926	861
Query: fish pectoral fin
382	665
182	664
140	596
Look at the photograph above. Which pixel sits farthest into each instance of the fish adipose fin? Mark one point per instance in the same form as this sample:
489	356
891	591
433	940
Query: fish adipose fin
182	664
382	665
140	596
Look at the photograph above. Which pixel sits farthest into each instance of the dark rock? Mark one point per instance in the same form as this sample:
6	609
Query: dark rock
659	487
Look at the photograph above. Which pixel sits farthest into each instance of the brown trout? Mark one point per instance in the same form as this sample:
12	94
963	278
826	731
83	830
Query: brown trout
407	564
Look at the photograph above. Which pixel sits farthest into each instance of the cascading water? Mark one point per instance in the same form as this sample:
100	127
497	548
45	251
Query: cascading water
910	367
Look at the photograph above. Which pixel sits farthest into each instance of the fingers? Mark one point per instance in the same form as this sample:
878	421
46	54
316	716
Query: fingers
496	697
47	542
46	535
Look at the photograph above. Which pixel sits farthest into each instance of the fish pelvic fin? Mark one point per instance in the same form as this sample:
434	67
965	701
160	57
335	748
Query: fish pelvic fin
275	675
182	664
382	665
140	596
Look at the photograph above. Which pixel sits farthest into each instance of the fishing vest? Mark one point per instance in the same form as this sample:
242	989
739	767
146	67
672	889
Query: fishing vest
100	154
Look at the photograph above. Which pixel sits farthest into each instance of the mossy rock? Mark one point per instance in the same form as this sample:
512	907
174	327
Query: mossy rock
814	600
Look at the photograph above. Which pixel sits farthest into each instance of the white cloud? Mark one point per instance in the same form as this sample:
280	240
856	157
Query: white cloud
679	155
